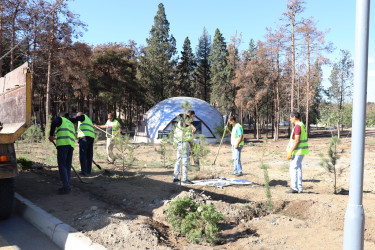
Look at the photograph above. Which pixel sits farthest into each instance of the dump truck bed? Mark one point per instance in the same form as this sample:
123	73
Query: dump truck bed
15	104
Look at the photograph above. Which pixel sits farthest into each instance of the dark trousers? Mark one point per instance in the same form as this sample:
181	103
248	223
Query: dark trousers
86	151
64	161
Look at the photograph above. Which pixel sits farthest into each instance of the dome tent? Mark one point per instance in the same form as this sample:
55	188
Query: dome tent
158	120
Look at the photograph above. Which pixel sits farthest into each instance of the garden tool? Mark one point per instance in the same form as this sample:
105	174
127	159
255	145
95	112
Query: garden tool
218	150
79	177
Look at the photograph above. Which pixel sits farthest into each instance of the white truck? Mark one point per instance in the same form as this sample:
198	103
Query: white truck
15	118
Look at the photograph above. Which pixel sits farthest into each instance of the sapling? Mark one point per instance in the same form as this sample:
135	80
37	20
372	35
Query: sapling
330	163
264	166
164	149
125	150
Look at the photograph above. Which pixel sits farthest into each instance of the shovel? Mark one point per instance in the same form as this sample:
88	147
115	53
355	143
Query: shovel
79	177
218	150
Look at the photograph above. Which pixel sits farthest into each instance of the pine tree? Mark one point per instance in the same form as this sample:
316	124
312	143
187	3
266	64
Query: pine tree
221	75
185	71
202	73
157	64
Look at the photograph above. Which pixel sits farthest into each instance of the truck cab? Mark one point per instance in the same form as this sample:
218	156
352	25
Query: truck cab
15	118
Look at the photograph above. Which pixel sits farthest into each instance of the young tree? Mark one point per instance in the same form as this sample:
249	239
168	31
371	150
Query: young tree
202	72
185	71
221	75
156	66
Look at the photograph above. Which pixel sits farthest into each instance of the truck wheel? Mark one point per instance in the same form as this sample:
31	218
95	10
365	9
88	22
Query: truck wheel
6	197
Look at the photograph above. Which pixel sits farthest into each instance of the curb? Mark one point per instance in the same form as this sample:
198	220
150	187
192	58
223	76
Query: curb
63	235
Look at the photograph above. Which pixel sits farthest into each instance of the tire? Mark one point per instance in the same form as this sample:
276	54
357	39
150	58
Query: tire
6	197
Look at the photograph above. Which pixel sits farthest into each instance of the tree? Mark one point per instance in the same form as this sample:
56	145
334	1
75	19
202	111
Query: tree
294	7
202	72
313	44
275	42
252	80
221	75
341	79
114	82
157	64
185	71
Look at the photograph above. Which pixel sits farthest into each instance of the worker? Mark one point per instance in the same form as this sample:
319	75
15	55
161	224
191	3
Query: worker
183	136
237	142
65	144
86	137
296	150
113	128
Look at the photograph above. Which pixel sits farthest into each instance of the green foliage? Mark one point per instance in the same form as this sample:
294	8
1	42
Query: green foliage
264	166
370	115
331	116
221	69
33	134
24	163
157	64
164	149
202	73
185	71
125	150
330	163
200	150
196	222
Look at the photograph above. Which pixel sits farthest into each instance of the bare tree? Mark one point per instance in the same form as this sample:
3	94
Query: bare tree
313	44
294	7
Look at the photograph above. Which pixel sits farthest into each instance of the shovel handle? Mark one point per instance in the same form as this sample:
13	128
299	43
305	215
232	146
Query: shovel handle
222	138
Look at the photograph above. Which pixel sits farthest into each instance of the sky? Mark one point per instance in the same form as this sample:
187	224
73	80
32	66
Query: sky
124	20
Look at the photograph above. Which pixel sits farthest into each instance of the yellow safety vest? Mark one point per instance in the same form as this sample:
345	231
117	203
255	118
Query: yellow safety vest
234	136
86	128
303	147
65	134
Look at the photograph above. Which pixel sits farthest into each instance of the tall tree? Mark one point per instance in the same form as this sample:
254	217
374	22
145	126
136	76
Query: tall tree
275	44
341	84
185	71
202	72
294	8
157	64
221	75
252	79
314	45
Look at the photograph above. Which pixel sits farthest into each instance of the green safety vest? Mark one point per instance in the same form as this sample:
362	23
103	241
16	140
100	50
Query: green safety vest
183	133
235	137
303	147
115	127
65	134
86	128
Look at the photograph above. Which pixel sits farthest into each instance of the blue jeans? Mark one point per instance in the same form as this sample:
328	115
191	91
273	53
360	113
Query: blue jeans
295	171
183	151
64	161
236	155
86	150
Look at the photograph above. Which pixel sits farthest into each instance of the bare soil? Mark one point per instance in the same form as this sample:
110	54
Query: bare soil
126	208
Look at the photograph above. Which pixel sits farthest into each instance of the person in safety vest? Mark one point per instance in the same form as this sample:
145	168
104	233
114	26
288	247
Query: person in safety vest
183	136
65	144
297	149
237	141
86	137
113	128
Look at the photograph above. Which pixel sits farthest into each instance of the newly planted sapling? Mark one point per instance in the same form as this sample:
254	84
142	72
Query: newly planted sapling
125	151
330	163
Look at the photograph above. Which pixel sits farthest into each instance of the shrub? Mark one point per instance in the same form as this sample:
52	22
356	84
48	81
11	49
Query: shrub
196	222
24	163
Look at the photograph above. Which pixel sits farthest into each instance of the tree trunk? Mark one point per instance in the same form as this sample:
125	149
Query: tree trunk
49	70
308	90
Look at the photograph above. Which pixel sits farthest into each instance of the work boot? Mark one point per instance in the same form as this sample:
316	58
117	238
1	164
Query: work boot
291	191
187	182
63	190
